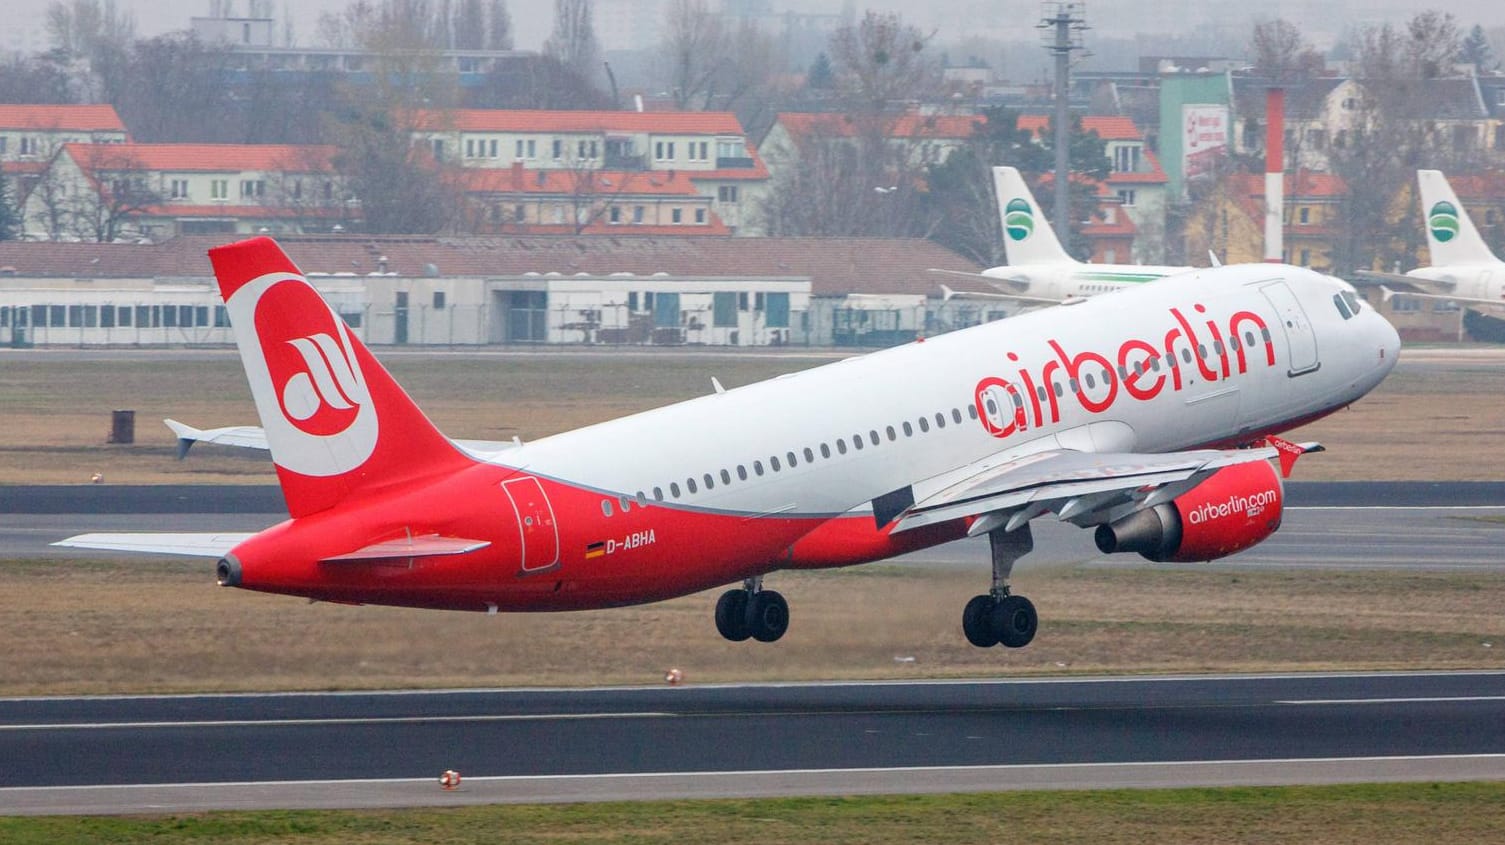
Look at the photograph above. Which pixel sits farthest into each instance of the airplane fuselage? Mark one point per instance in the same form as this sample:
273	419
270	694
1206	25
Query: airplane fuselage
782	473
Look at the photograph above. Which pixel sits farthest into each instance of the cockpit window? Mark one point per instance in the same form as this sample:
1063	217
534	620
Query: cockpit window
1343	308
1353	300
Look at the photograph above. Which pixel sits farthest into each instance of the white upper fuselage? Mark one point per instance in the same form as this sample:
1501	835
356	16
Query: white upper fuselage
1073	279
1473	283
956	382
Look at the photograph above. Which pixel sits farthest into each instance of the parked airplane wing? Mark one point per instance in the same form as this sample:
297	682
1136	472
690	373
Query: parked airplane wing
1084	488
1375	278
993	280
195	545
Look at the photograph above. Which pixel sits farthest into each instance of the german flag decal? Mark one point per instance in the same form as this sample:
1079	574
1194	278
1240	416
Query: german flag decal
595	550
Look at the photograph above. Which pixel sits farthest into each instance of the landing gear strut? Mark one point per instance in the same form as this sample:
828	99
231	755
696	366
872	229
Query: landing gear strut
752	612
1001	617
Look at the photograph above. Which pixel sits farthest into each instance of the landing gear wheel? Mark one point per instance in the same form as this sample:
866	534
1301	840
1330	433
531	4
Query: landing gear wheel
731	615
977	622
767	616
1014	621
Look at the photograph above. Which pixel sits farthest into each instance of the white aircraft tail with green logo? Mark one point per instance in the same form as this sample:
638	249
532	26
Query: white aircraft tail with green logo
1027	236
1451	236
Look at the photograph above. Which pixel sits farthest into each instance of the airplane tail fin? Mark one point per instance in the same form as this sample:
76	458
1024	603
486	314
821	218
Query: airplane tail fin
1027	235
335	420
1451	236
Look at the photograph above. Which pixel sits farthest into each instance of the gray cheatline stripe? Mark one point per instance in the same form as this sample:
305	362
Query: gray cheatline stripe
745	773
358	720
1418	700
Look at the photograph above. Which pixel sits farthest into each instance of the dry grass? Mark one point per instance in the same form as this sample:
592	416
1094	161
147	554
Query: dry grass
95	627
1430	423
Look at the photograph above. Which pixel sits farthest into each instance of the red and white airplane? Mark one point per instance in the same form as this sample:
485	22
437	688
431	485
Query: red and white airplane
1145	414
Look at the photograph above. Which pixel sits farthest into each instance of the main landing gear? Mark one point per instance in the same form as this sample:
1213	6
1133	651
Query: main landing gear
1001	617
752	612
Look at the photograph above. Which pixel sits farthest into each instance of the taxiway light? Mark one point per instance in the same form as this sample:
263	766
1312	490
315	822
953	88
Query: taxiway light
450	779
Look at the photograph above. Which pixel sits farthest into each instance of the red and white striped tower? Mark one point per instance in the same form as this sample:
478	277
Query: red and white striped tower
1275	133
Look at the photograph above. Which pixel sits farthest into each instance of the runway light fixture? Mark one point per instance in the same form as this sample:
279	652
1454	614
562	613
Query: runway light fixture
450	780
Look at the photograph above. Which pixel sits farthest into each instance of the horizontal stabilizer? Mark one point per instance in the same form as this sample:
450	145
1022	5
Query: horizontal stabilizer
427	545
194	545
243	436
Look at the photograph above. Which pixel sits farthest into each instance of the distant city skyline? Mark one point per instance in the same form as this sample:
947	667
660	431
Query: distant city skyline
1323	21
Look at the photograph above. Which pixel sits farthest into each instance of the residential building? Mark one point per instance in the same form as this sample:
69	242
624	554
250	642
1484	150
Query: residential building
585	201
710	149
36	132
157	191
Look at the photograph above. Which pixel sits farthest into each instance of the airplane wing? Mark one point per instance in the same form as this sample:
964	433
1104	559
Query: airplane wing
1439	297
950	294
1084	488
194	545
254	437
1375	278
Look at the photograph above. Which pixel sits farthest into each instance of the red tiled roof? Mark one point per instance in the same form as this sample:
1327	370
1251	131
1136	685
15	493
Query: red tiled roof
1154	176
907	125
1478	186
1107	127
231	212
529	120
834	266
226	158
713	227
93	118
560	181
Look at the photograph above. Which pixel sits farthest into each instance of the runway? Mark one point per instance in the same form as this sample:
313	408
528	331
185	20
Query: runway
132	754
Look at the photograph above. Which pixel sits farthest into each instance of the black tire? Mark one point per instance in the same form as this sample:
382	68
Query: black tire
1015	621
767	616
731	615
977	622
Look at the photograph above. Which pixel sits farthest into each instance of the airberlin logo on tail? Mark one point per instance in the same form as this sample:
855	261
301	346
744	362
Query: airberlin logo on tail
1018	219
305	377
1443	220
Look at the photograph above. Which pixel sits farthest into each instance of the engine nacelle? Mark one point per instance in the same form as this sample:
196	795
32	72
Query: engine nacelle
1234	509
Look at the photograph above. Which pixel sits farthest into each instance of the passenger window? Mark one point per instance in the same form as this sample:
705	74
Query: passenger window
606	507
873	436
710	483
809	456
857	441
642	499
1186	355
909	429
992	407
972	411
1059	390
1090	383
726	477
841	446
773	463
1075	388
1265	333
690	484
658	494
1248	338
825	451
624	502
792	462
758	467
892	435
1233	342
1217	347
925	424
741	472
940	419
674	489
956	416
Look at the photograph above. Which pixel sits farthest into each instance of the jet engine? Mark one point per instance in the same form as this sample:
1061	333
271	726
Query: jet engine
1235	508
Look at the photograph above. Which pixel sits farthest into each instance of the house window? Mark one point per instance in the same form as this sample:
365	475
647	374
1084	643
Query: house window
1306	258
438	300
179	189
1126	197
519	214
1304	214
663	150
438	145
558	149
252	188
700	216
726	193
674	215
219	189
28	146
532	149
519	148
1126	159
493	150
470	148
637	214
724	309
615	215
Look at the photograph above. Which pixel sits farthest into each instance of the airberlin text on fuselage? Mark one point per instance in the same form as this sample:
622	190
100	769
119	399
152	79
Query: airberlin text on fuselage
1148	368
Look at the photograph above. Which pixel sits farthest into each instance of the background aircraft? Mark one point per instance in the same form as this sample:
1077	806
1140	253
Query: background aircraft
1039	269
1463	268
1114	414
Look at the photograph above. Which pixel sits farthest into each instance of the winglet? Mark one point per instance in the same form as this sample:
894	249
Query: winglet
1213	257
1289	452
187	436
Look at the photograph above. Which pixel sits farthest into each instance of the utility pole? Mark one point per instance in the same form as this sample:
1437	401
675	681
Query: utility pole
1068	20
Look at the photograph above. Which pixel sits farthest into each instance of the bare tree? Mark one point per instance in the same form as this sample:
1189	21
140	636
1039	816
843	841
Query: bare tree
881	61
120	190
1282	54
573	41
695	48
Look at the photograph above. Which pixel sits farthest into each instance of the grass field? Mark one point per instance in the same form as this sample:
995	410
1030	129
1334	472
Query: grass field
1387	814
1423	423
141	626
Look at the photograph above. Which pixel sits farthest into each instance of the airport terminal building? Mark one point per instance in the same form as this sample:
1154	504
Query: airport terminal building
644	291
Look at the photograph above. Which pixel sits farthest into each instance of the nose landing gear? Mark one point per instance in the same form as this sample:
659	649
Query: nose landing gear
752	612
999	617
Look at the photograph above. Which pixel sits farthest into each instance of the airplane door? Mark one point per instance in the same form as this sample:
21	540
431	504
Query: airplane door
535	523
1298	330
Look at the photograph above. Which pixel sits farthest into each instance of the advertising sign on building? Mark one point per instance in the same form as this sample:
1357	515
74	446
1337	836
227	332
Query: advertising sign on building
1204	137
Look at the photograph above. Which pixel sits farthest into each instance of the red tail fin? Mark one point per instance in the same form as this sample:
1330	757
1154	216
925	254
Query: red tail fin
335	420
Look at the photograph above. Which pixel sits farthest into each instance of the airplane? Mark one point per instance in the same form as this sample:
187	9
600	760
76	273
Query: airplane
1464	269
1040	271
1148	415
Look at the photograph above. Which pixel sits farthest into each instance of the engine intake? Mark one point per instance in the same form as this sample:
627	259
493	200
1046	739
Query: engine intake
1234	509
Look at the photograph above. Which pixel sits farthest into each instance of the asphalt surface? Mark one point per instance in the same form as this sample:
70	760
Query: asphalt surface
107	754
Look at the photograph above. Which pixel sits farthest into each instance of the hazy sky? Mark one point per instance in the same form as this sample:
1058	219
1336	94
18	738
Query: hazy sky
949	19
